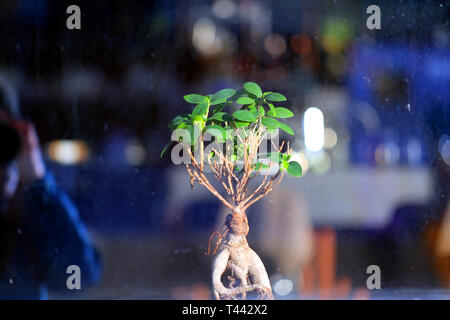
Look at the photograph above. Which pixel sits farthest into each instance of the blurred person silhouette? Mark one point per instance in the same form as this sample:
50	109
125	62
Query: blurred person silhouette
41	233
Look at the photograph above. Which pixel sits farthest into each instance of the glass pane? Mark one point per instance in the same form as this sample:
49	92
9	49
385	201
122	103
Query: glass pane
86	96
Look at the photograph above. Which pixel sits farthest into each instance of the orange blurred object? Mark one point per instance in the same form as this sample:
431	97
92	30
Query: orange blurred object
326	261
301	44
197	291
441	262
180	293
200	292
319	277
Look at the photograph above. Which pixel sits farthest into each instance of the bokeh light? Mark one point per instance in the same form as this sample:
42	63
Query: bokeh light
283	287
301	44
68	152
321	162
204	37
330	138
135	153
224	9
275	45
313	127
444	148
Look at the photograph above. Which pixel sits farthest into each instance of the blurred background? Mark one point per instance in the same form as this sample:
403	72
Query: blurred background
376	166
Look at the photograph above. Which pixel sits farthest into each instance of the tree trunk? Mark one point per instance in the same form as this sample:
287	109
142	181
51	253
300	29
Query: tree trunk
247	270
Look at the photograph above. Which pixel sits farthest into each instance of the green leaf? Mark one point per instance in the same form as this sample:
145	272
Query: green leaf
221	116
259	165
183	125
238	94
261	111
270	123
252	108
271	106
245	100
286	156
240	124
217	131
280	113
275	96
168	144
219	107
294	169
221	96
198	121
286	128
244	115
201	109
175	122
253	88
194	98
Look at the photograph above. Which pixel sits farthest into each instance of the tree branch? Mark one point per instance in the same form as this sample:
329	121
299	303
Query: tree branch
268	188
197	173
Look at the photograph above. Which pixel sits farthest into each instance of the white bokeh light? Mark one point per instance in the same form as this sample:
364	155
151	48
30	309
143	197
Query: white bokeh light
135	154
444	148
283	287
68	152
224	9
204	36
313	128
330	138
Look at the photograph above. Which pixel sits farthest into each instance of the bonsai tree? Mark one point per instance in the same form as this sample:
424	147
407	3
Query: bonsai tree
239	125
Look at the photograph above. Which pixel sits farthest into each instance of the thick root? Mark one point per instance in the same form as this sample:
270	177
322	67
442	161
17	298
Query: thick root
236	256
231	294
243	267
